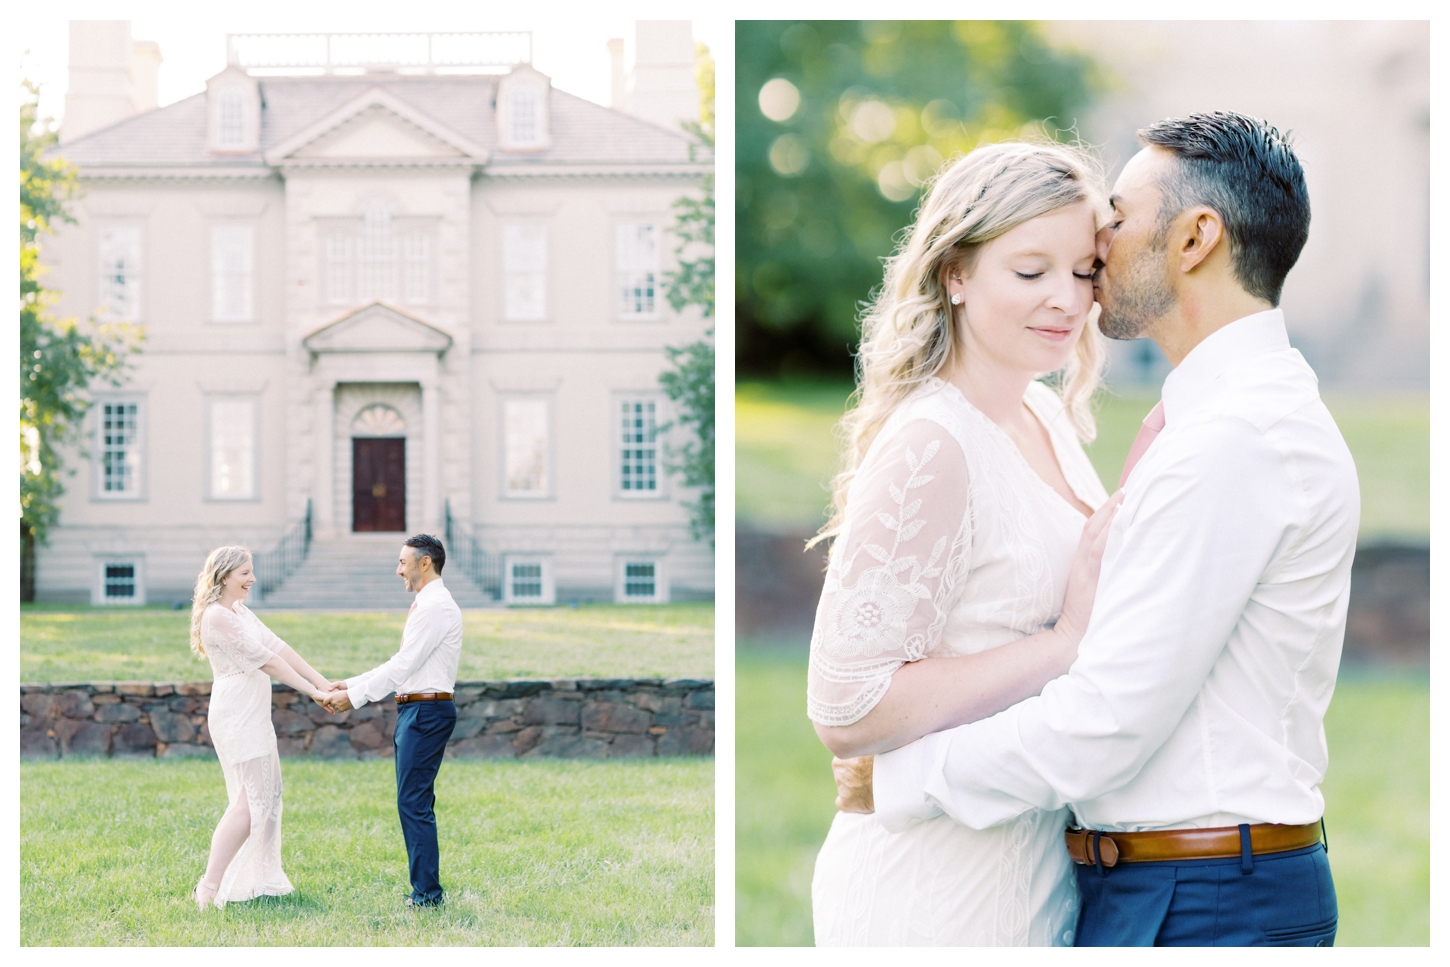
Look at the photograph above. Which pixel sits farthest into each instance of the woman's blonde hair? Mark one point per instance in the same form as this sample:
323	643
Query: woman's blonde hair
219	563
907	333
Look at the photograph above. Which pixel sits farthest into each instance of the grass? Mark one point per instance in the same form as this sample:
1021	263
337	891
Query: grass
785	453
603	641
1377	797
533	853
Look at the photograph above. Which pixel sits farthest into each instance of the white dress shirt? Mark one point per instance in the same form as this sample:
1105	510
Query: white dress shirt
1198	696
427	660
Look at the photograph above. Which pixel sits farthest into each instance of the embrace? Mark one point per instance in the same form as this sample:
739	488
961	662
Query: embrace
1063	717
246	848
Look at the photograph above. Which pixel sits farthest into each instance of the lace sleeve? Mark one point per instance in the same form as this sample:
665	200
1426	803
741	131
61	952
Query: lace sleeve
225	632
264	635
892	572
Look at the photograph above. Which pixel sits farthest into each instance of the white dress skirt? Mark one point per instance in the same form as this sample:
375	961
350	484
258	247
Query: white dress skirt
239	719
951	545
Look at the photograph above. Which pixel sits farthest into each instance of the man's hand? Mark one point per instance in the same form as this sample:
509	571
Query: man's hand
853	784
337	701
338	685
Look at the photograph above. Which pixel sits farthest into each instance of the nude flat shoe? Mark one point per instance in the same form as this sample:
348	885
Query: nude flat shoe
205	893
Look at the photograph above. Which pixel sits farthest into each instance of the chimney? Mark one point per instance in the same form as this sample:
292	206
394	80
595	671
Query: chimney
112	77
661	87
616	74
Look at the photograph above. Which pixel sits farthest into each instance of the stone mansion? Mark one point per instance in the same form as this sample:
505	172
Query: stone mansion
380	298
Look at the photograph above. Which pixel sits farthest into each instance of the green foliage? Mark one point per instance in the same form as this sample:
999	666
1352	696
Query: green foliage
604	641
690	381
535	853
59	358
1377	803
822	191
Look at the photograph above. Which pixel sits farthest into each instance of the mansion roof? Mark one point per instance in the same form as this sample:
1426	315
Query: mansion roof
581	133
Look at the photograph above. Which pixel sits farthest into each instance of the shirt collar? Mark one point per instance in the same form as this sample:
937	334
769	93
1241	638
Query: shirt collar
1192	381
431	588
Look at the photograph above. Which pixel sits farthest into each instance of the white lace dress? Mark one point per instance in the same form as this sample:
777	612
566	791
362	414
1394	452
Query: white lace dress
239	719
952	545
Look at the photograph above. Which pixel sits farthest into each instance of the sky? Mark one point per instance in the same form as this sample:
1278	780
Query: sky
568	38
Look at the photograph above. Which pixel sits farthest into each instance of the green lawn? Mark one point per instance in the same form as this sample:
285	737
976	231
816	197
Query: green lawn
785	453
1377	803
603	641
533	853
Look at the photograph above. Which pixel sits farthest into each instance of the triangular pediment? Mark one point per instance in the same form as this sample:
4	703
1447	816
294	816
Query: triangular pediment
378	133
378	328
376	125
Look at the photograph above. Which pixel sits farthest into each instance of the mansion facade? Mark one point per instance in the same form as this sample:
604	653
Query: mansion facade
379	303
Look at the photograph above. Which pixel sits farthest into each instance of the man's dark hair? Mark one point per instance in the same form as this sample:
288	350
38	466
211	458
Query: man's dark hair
428	546
1244	169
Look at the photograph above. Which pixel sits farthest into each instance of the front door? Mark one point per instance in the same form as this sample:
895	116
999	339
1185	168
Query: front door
377	484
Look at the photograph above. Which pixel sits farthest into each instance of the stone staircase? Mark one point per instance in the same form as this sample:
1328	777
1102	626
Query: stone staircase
356	573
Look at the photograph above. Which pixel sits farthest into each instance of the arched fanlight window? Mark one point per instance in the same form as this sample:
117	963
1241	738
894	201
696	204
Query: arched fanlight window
379	420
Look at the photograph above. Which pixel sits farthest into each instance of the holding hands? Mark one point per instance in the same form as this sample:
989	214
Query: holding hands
333	698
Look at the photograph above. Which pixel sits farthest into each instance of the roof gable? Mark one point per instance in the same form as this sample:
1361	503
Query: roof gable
376	124
377	328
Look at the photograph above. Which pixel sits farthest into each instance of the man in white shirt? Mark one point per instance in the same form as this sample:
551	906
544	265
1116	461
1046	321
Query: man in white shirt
1188	736
420	677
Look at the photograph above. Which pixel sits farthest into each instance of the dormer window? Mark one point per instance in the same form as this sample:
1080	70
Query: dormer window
234	108
523	110
231	118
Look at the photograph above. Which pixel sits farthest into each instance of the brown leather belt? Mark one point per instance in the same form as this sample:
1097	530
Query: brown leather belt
1087	846
423	697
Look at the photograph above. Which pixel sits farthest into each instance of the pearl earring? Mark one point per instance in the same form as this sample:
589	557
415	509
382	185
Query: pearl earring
956	299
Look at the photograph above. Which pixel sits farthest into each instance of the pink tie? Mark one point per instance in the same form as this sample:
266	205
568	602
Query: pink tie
1152	426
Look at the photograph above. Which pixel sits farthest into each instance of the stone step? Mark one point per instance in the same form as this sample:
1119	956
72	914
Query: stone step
359	574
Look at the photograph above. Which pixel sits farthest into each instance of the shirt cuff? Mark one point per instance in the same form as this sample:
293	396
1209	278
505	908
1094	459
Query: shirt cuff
898	782
357	692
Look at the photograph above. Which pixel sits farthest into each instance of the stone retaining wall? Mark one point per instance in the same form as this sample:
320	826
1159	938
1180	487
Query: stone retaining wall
573	718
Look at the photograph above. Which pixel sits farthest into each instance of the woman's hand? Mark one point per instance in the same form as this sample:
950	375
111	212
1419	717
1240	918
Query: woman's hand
320	697
1082	580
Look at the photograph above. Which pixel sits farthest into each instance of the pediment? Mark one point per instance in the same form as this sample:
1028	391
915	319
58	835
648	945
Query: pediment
378	328
376	125
378	133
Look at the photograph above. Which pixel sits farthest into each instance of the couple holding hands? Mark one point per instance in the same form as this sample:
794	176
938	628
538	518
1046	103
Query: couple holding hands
246	848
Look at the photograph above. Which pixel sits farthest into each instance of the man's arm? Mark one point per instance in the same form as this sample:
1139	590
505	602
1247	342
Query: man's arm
1182	560
421	637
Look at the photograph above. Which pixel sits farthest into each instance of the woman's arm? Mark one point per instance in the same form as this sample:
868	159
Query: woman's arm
280	669
300	665
933	694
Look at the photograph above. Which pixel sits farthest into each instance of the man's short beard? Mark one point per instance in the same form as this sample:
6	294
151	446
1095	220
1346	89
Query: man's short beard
1141	295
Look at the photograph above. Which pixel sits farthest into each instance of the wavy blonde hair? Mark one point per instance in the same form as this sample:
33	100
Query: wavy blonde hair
219	563
908	333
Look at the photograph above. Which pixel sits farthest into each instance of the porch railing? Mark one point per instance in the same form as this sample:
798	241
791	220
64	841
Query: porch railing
485	570
275	566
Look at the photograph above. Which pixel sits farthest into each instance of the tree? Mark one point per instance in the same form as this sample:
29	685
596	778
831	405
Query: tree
690	382
838	124
59	358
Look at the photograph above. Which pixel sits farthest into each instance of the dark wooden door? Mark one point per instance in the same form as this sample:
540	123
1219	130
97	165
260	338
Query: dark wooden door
378	492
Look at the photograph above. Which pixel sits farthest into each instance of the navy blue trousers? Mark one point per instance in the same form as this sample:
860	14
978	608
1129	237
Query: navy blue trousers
418	741
1277	900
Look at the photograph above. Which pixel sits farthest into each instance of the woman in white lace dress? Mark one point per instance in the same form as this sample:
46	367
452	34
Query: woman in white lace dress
962	572
246	848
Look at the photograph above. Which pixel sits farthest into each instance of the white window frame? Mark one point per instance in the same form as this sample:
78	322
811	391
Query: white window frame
254	458
619	450
376	273
234	278
110	239
621	579
637	270
417	248
547	492
99	449
546	579
520	271
138	564
337	269
231	120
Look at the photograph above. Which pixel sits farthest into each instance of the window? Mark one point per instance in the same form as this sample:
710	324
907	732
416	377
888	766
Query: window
637	259
232	119
525	256
524	106
120	292
118	448
377	255
120	583
233	432
416	246
640	580
526	447
639	472
528	580
231	273
339	269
